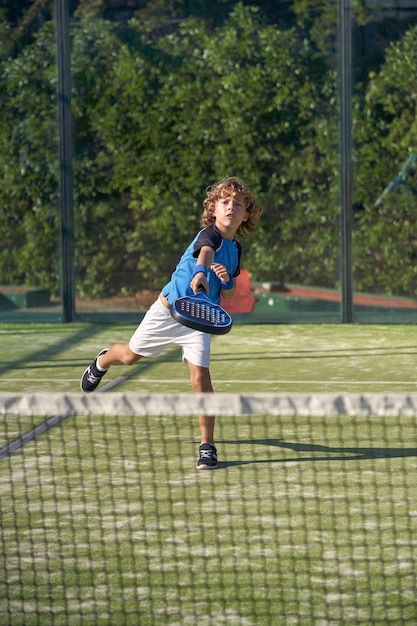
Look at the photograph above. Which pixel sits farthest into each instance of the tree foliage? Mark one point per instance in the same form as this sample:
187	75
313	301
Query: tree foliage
159	114
386	239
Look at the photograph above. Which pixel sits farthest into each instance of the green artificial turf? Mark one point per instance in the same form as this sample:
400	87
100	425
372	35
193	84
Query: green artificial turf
306	521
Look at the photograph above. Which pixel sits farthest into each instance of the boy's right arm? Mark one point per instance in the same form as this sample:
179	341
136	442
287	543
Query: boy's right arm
204	259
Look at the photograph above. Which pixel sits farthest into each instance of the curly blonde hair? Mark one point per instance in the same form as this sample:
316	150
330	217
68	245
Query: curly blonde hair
231	187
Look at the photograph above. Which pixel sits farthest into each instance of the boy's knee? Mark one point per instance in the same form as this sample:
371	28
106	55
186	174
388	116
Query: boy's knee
200	379
130	358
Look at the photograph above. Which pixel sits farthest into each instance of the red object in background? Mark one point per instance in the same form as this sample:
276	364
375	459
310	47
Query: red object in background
243	300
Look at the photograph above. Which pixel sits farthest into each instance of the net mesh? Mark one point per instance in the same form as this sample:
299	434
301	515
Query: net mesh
311	517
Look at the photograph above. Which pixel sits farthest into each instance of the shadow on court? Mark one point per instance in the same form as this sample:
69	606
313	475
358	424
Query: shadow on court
46	353
47	356
316	452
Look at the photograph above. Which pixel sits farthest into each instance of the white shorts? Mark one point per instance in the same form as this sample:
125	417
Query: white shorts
158	330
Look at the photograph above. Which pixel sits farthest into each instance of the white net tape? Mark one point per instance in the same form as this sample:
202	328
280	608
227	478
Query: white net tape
227	404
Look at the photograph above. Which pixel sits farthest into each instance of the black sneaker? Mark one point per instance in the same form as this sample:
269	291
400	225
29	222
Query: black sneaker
207	457
92	376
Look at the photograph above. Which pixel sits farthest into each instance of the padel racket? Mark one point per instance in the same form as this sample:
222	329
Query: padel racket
201	313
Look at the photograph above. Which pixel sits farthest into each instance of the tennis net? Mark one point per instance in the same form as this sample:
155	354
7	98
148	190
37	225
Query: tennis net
311	517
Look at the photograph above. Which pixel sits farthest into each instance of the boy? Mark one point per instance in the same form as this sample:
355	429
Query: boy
212	261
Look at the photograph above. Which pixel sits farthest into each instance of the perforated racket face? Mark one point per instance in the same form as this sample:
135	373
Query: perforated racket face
199	313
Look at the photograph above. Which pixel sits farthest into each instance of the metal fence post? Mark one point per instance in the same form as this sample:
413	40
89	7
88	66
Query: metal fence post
65	159
345	99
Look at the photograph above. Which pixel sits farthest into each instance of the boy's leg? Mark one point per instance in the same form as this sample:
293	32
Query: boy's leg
201	383
152	335
206	423
119	353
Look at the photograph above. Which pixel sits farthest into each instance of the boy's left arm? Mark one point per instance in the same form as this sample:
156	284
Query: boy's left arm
228	287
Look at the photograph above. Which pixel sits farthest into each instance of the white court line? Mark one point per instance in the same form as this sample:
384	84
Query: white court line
120	379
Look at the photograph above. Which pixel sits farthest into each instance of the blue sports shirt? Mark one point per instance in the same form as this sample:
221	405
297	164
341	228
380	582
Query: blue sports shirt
225	251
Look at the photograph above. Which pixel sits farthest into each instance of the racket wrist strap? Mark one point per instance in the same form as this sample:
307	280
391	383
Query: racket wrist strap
200	267
229	285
